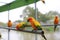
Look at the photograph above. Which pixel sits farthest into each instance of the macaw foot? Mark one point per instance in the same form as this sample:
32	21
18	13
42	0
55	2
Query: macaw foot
55	26
34	30
54	29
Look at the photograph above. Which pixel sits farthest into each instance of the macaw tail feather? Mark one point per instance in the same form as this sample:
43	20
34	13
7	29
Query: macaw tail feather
55	27
42	34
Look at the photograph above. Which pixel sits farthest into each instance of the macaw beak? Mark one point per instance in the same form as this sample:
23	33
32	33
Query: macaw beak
27	20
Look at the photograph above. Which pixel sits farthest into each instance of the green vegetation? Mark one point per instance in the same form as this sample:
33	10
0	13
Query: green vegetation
3	24
49	29
30	12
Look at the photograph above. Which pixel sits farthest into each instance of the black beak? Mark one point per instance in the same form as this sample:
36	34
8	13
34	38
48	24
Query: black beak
27	20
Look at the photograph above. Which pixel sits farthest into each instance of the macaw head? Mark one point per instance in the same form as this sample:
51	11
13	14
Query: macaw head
9	20
30	19
56	16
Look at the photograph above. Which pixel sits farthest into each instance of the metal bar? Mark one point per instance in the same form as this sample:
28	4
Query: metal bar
28	31
35	10
8	11
8	20
36	18
13	28
8	34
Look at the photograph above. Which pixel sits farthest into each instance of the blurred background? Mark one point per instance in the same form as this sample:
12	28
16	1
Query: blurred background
18	11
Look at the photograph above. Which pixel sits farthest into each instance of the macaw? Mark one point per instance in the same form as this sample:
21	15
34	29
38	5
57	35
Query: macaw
9	23
43	1
20	25
56	21
36	26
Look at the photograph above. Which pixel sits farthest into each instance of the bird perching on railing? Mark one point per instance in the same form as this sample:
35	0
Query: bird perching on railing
36	26
9	23
20	26
56	21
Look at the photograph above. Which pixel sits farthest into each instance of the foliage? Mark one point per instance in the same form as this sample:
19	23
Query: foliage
44	18
30	12
2	24
49	29
18	21
52	14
